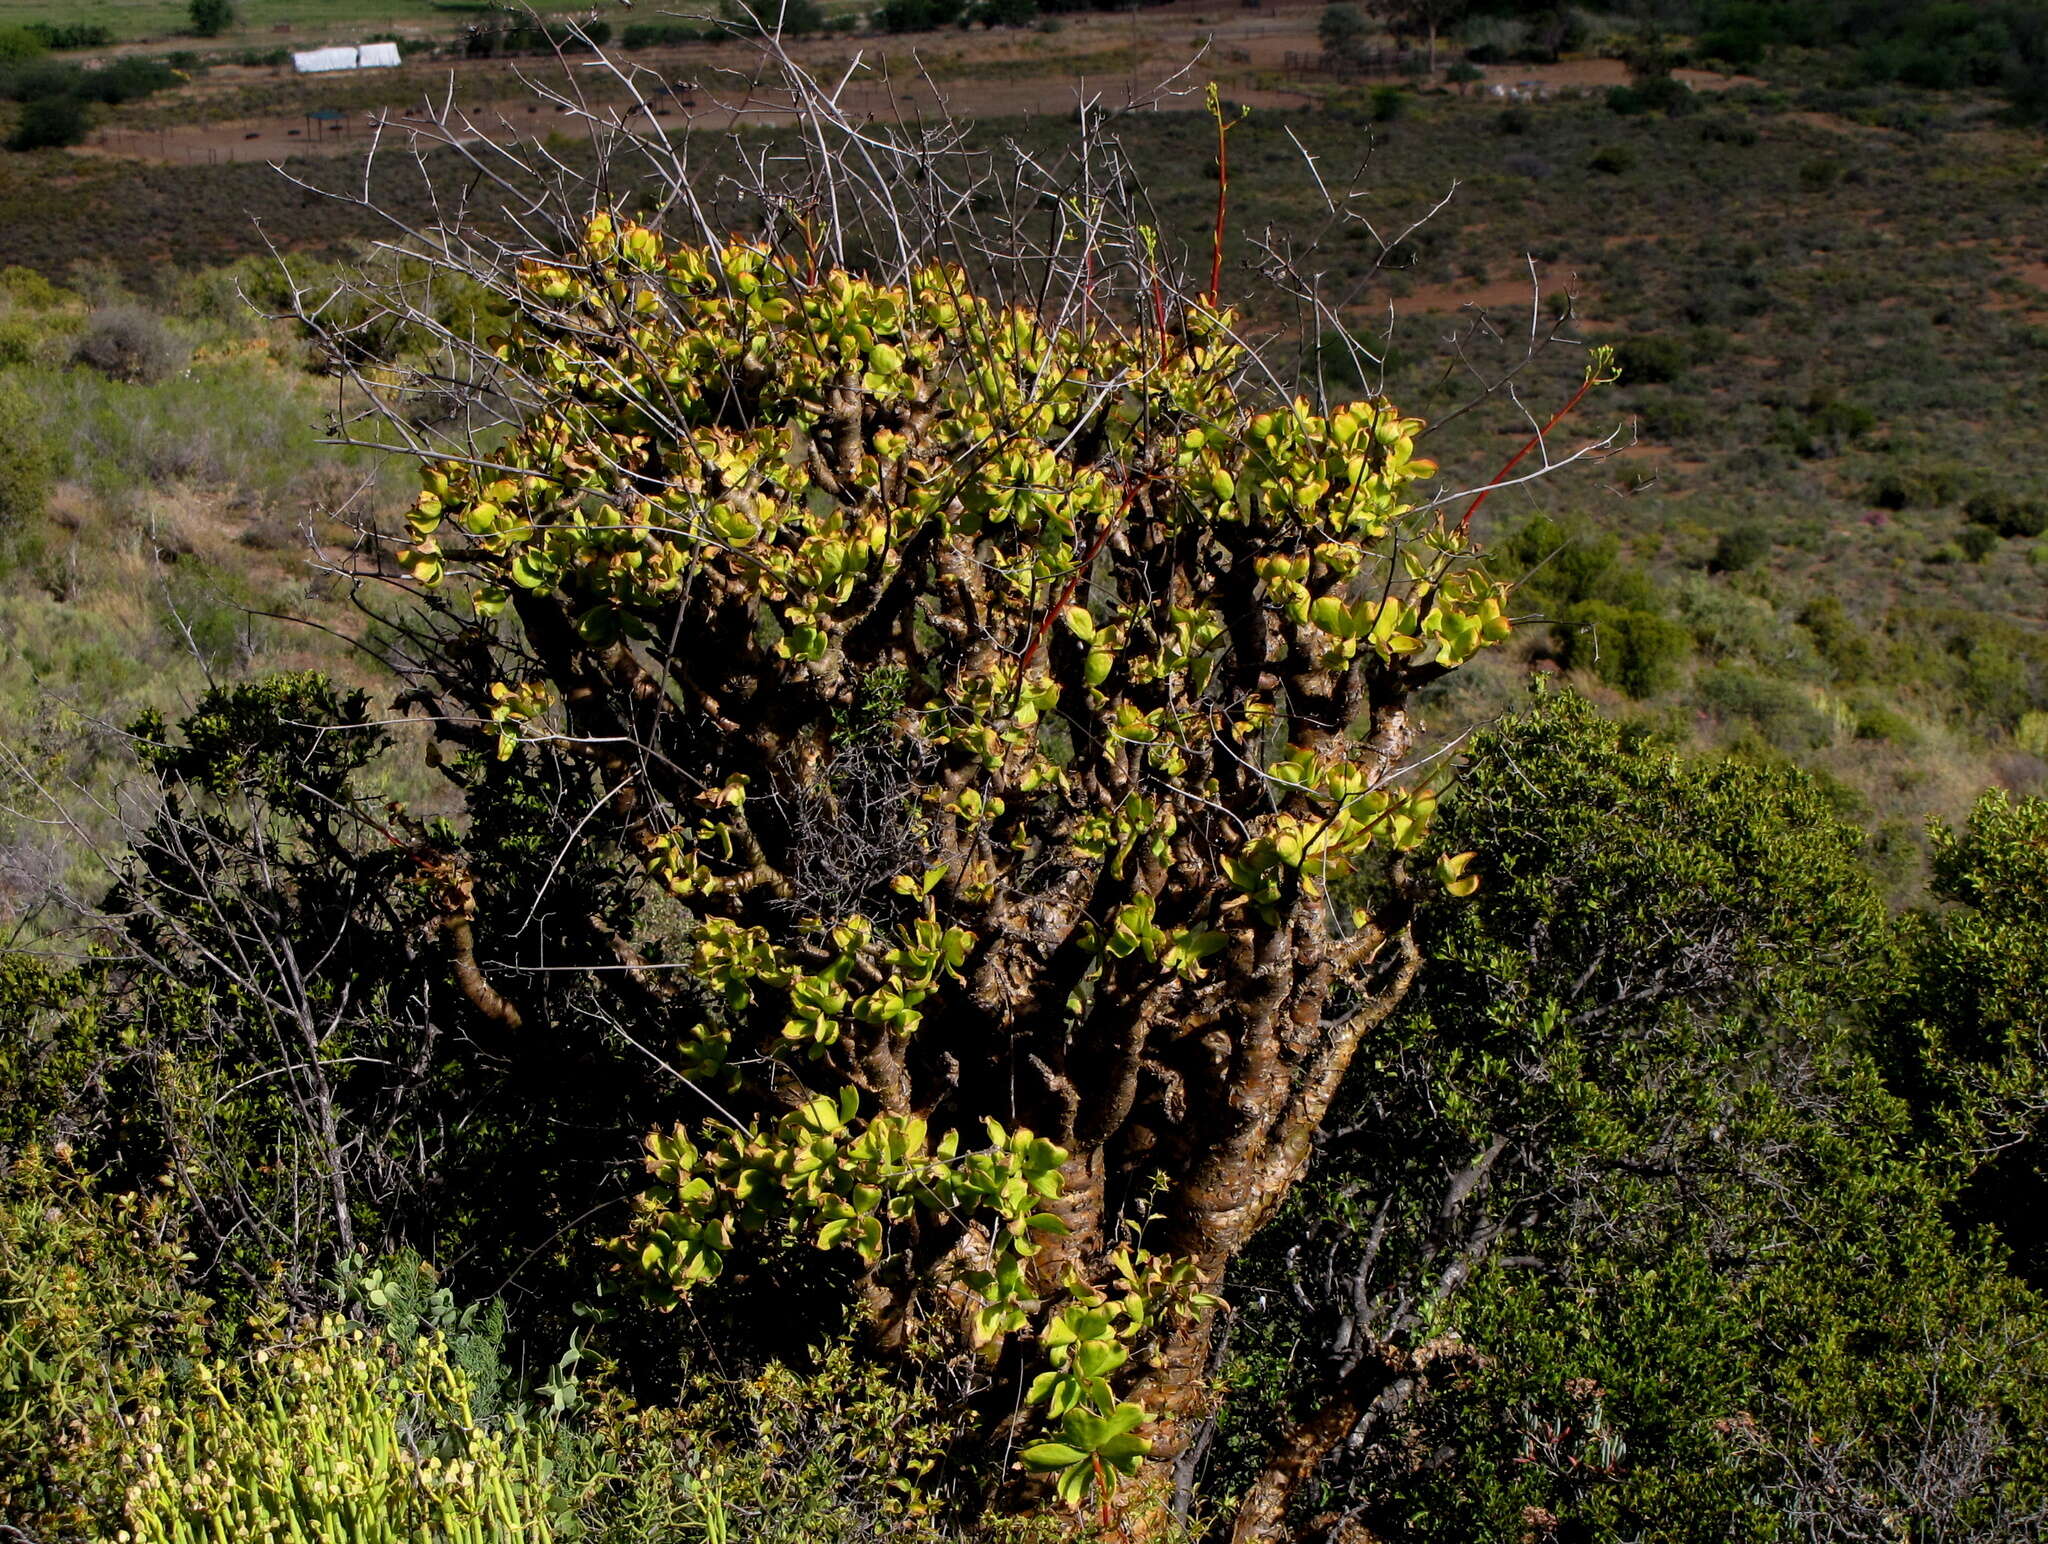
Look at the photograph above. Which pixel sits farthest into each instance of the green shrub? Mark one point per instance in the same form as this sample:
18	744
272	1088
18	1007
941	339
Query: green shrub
1878	720
1637	651
1742	547
1847	648
2009	514
1647	359
1783	714
1613	160
210	18
93	1322
26	461
19	45
51	123
126	343
338	1437
1919	485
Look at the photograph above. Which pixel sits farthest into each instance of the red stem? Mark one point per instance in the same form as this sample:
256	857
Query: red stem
1222	206
1534	440
1074	581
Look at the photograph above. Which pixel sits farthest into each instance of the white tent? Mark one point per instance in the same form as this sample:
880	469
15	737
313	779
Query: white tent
371	56
320	60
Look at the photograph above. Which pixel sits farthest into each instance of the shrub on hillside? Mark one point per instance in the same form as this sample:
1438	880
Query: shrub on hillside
1743	547
25	460
1638	651
2009	514
50	123
126	343
1779	711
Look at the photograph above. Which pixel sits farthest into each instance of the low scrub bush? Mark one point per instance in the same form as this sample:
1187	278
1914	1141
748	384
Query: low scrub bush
126	343
26	462
50	123
2009	514
1638	651
1784	715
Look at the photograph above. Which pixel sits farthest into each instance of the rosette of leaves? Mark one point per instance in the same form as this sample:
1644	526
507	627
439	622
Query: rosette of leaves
1148	636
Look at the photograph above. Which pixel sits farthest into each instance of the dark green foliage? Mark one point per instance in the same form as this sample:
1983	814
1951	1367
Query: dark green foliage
1610	615
1636	650
1006	13
1967	1024
1612	160
790	18
1342	30
50	123
1648	359
77	34
26	460
1743	547
1919	484
210	18
1659	93
1618	1226
2009	514
1779	711
918	15
658	34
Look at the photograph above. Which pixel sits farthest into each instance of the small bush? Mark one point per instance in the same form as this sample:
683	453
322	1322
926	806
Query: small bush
1729	129
26	464
77	34
1743	547
1978	543
1649	360
1926	485
210	18
1783	714
51	123
1637	651
1513	120
1612	160
125	343
18	45
2009	514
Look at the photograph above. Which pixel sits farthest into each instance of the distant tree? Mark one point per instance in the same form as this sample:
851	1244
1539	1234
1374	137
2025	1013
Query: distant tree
51	122
1342	29
1428	17
210	18
18	45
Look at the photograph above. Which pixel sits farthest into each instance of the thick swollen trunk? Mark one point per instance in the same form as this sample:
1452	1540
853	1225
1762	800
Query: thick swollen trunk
1240	1177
